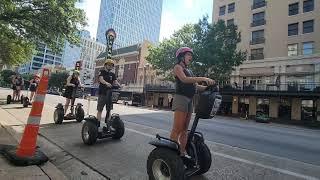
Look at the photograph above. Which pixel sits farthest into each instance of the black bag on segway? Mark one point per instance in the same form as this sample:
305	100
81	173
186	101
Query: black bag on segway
209	103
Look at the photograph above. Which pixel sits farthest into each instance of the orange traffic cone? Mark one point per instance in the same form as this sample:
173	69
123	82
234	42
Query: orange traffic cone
26	153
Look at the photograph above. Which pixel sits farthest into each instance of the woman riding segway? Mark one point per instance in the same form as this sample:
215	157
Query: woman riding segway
185	153
17	84
73	82
186	87
33	86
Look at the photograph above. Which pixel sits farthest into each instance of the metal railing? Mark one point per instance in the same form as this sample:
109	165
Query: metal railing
289	87
159	87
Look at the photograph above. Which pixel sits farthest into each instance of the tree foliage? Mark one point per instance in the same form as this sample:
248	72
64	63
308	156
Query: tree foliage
24	23
214	45
58	79
6	76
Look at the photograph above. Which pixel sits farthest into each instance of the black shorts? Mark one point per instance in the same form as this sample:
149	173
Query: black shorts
14	87
68	94
105	100
33	88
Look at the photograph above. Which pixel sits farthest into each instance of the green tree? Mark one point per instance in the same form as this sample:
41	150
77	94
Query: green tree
6	76
24	23
58	80
215	50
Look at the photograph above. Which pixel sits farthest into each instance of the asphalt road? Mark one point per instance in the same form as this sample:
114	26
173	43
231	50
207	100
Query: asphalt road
241	149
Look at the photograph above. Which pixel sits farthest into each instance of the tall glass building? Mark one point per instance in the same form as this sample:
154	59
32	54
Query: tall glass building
133	21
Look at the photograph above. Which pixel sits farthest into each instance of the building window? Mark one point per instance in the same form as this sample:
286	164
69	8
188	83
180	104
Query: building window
308	5
231	8
258	19
258	4
256	54
308	26
293	29
292	49
257	37
230	22
38	60
222	10
308	48
293	9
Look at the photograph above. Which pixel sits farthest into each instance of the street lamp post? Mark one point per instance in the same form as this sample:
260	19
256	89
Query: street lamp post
145	83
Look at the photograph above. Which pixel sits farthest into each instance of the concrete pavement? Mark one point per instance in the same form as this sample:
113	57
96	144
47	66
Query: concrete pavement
125	159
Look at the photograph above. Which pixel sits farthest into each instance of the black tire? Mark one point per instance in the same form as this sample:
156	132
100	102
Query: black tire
21	99
89	133
58	115
203	154
25	102
9	99
204	157
79	113
118	126
171	165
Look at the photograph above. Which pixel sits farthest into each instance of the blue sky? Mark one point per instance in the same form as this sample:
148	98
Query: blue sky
175	13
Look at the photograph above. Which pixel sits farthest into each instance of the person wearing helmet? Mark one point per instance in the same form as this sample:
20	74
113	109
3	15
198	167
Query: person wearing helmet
107	79
18	83
13	85
33	86
186	87
73	82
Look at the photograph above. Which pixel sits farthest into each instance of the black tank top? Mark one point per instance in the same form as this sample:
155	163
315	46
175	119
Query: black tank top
74	81
185	89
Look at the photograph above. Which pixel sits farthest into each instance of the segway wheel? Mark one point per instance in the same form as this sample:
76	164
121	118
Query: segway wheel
165	163
89	133
58	116
21	99
204	156
79	113
118	126
25	102
9	98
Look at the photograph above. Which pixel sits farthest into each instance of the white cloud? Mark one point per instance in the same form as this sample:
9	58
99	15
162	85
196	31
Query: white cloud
92	9
169	24
189	4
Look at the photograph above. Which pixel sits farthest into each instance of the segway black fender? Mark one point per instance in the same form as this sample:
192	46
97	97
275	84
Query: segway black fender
115	116
59	106
166	143
79	105
93	120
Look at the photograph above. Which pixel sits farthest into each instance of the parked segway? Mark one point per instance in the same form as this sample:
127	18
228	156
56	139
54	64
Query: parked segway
165	161
26	100
77	114
114	129
10	100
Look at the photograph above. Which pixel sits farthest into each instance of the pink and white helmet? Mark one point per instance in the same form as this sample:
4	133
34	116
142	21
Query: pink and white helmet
183	50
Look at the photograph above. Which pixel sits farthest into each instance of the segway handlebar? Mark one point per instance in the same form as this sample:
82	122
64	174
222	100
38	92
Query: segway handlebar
212	88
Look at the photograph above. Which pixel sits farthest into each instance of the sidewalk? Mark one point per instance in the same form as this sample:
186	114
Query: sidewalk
8	136
9	171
